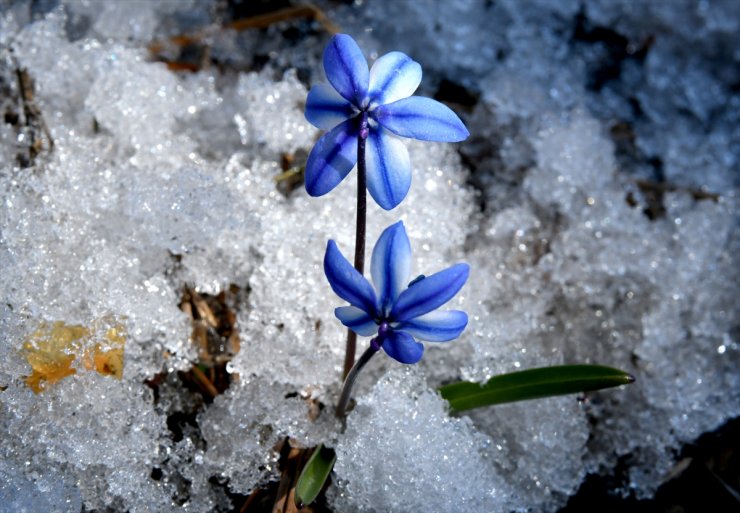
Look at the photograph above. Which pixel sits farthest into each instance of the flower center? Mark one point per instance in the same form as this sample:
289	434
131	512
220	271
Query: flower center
383	330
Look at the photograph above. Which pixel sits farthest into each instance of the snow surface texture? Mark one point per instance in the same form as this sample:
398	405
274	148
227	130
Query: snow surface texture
588	242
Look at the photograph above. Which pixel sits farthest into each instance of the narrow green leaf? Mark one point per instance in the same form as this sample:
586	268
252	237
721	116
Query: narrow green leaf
314	475
533	384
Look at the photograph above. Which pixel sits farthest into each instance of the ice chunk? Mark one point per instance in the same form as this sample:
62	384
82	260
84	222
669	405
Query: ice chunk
47	491
591	278
402	452
244	426
99	431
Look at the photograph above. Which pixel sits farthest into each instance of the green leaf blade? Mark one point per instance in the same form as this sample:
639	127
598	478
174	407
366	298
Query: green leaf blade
533	384
314	475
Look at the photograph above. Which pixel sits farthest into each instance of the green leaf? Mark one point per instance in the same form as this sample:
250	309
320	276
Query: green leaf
533	384
314	475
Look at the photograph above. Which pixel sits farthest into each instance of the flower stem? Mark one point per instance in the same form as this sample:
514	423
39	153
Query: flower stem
349	381
349	354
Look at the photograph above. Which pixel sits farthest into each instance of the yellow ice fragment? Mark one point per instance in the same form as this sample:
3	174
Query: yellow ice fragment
52	349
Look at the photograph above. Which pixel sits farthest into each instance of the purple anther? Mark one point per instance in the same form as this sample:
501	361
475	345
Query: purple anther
383	331
364	131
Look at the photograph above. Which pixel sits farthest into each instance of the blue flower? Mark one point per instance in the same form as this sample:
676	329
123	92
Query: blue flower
397	313
378	104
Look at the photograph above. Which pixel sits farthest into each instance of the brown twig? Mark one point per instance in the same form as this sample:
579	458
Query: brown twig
204	381
697	194
287	483
265	20
309	11
32	116
250	500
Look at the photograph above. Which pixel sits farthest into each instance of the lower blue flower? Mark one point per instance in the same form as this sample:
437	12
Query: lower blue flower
395	311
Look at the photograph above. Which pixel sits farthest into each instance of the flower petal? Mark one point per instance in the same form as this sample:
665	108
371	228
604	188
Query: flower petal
390	265
333	157
388	168
346	282
430	293
436	326
325	108
394	76
402	347
357	320
421	118
346	68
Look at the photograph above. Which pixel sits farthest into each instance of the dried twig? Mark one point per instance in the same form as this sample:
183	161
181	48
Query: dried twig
203	380
697	194
308	11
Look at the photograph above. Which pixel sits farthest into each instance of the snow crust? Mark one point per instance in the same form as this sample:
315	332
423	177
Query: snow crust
599	217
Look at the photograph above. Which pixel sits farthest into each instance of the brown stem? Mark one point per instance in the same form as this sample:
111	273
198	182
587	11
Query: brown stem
349	355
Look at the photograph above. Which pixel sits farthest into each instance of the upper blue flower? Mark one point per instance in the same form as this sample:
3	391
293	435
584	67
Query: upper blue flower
397	312
377	102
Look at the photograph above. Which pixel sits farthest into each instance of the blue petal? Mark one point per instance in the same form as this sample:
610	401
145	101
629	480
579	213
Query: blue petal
430	293
357	320
421	118
390	265
346	68
402	347
325	108
388	168
346	282
333	157
436	326
394	76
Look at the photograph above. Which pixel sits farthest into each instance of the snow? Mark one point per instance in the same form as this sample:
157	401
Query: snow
599	220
